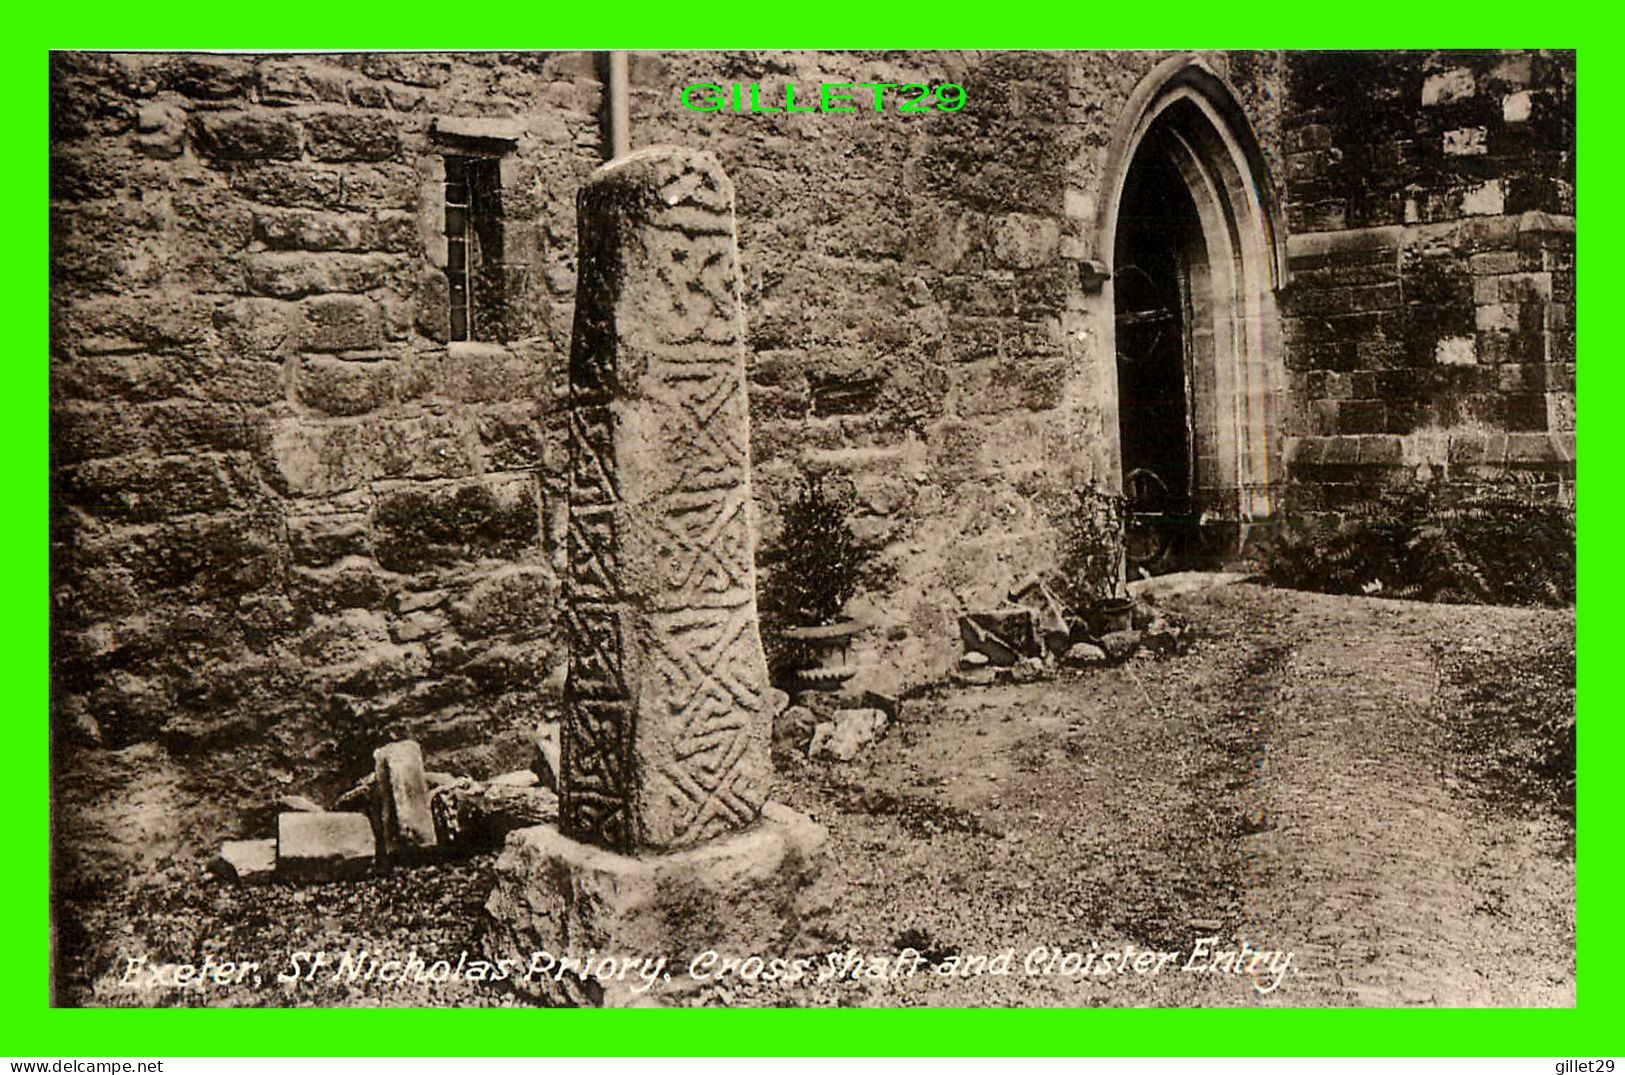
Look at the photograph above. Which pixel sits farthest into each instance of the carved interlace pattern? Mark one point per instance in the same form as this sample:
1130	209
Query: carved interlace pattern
665	727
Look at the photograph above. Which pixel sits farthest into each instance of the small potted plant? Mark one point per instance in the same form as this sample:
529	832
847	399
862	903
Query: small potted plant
810	573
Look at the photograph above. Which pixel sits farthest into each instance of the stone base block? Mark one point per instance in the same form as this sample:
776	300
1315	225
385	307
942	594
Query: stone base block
765	891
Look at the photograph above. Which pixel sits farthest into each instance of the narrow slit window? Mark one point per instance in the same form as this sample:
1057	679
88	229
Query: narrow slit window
474	273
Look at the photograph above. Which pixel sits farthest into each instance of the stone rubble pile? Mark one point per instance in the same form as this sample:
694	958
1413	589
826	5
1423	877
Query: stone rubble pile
832	725
399	815
1036	634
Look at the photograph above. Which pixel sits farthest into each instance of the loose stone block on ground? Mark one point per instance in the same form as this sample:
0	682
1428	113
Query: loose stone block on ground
246	860
406	826
324	847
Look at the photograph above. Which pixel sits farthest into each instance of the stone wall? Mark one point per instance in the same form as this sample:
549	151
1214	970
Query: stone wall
1429	319
292	515
287	516
916	313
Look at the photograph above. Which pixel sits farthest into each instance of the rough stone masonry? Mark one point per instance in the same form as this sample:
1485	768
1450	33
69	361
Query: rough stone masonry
293	520
666	730
665	847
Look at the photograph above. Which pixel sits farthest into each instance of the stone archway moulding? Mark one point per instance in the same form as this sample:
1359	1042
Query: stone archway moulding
1217	154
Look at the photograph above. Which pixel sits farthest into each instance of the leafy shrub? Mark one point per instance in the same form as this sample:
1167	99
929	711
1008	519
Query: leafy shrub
815	566
817	563
1491	546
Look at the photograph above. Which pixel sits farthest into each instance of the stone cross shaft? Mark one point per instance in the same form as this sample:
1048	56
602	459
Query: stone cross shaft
666	729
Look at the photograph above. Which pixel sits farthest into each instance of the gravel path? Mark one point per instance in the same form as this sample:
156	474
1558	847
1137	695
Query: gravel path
1397	888
1319	776
1292	783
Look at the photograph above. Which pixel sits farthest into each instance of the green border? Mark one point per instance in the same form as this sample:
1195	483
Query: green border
32	1028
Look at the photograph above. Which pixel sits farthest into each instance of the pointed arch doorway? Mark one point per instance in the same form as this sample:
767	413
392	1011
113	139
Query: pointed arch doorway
1193	330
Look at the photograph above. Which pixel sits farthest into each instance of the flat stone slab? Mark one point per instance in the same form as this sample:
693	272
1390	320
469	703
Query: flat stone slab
1182	582
765	891
247	861
322	847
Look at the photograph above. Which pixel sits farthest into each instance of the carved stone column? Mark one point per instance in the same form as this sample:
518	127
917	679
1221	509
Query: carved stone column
666	727
665	846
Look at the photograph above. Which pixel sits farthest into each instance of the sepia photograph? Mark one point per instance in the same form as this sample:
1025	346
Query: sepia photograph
812	529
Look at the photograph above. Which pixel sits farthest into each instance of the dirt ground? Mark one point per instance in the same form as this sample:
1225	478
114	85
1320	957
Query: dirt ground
1354	783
